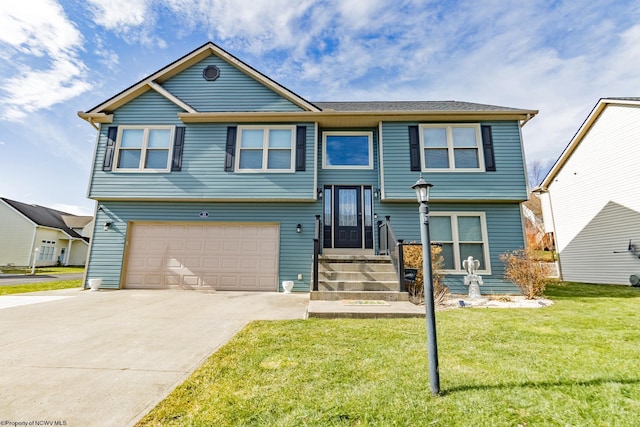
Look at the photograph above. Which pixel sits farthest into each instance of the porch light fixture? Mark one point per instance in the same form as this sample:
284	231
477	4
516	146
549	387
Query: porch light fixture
376	193
107	225
320	192
422	188
299	228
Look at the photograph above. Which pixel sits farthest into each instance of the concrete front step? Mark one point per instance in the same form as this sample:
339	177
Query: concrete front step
358	285
338	309
356	266
354	258
358	295
354	276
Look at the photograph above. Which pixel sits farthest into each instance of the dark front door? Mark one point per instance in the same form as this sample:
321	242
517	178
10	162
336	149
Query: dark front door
347	217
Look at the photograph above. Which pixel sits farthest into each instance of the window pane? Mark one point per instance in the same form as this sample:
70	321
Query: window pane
132	138
251	159
327	206
279	159
464	137
347	150
434	137
469	229
280	138
348	211
129	159
472	249
440	229
159	138
447	254
368	214
466	157
436	158
251	138
157	159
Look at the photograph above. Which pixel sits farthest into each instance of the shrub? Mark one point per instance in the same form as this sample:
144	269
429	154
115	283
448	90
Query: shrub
413	259
529	275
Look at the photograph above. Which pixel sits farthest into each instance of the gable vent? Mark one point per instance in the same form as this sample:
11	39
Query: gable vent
211	73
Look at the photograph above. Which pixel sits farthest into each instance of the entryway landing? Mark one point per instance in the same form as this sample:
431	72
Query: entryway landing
358	284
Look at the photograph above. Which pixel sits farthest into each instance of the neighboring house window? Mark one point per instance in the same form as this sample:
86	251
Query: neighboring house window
46	253
347	150
462	234
144	149
451	147
265	149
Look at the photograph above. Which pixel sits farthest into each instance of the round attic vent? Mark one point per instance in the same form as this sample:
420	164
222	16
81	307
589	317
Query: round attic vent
211	73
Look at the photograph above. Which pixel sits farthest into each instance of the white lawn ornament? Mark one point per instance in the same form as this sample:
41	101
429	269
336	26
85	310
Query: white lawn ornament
472	280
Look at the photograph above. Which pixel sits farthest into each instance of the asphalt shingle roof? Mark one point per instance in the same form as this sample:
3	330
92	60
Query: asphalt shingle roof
43	216
410	106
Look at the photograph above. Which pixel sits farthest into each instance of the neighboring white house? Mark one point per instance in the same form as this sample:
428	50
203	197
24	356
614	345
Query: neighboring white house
591	196
59	237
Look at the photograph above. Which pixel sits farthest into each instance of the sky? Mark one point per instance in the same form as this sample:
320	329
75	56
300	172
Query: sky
58	57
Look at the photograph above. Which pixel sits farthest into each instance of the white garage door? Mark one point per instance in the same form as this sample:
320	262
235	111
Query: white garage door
237	257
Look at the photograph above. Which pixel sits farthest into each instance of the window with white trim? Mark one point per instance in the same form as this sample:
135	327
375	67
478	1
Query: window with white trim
144	148
451	147
347	150
462	234
265	149
46	252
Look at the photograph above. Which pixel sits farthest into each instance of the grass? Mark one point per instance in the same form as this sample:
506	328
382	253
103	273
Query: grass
41	270
37	287
574	363
545	256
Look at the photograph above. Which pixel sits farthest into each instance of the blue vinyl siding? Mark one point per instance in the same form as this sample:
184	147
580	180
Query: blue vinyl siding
232	91
202	175
296	249
504	231
507	183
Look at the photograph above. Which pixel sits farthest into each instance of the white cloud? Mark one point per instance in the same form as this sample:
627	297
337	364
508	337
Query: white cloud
134	20
44	47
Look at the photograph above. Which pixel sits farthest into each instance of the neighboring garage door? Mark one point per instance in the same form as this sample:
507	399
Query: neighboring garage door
224	256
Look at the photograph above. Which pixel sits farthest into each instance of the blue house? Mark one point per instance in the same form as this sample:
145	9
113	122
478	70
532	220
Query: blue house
208	174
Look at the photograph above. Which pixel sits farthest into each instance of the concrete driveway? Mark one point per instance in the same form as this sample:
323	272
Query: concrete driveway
106	358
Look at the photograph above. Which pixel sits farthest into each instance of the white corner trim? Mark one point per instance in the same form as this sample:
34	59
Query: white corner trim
171	97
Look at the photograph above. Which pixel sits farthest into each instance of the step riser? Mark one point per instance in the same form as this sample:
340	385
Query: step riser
358	286
344	276
365	268
354	295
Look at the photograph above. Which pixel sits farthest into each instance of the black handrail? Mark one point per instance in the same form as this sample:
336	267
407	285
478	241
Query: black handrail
317	250
389	245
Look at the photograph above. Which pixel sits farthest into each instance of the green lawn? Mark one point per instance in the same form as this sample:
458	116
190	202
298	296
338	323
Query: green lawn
37	287
576	363
41	270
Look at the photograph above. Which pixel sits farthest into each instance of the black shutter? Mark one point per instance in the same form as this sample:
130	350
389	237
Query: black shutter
414	148
301	148
230	157
487	147
112	134
178	145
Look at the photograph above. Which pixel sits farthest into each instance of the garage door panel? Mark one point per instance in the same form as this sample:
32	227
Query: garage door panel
216	256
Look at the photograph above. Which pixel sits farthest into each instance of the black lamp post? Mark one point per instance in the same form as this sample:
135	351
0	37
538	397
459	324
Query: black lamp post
422	188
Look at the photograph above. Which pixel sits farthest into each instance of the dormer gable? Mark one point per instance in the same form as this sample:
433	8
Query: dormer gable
208	79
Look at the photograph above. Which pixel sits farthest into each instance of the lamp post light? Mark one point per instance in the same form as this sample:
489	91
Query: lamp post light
422	188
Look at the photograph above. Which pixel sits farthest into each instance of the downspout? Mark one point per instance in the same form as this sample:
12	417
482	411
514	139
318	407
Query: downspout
33	242
546	191
66	261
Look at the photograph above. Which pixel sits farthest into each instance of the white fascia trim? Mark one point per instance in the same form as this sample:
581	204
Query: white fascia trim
171	97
